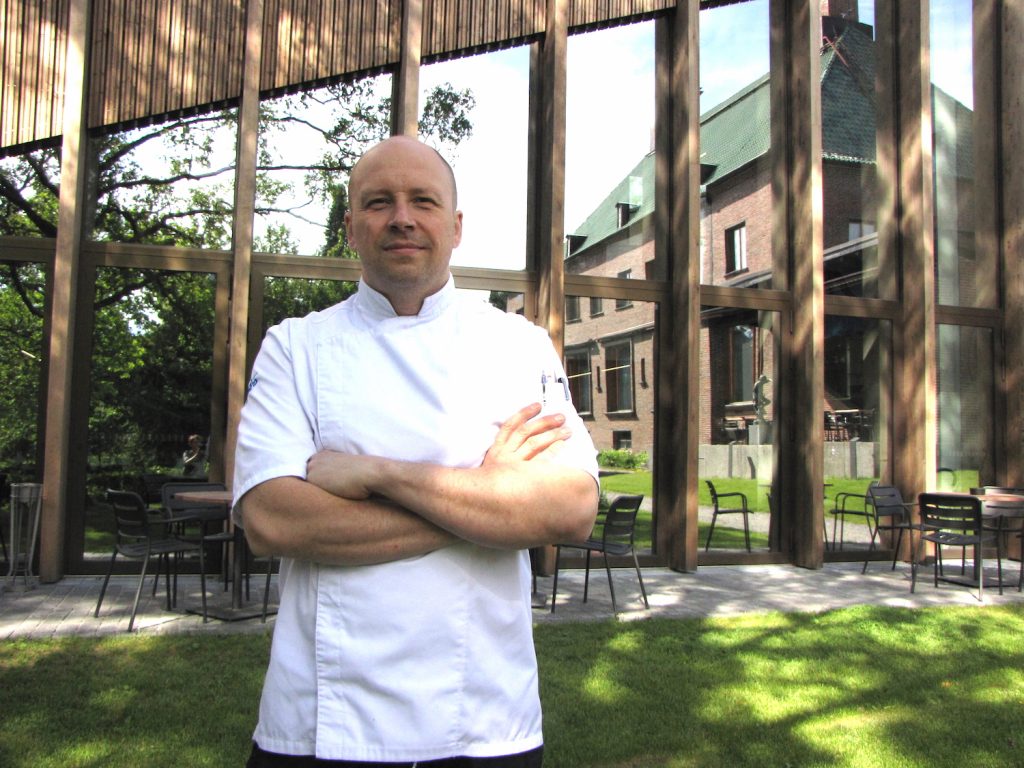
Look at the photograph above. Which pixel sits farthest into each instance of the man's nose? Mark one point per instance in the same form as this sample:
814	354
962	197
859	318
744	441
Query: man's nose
401	215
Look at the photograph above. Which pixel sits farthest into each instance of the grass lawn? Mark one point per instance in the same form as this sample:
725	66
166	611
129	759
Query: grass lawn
862	686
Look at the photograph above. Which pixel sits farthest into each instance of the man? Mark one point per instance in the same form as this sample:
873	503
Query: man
401	451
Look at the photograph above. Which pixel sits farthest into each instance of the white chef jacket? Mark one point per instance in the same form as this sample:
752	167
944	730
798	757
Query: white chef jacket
431	656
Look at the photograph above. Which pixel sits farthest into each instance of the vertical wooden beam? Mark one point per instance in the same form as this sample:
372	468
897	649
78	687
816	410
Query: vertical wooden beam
245	211
1010	127
406	82
914	401
797	246
546	187
547	205
677	242
59	389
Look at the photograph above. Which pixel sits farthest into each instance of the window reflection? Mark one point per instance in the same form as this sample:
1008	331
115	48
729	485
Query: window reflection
965	392
609	173
735	139
963	277
738	358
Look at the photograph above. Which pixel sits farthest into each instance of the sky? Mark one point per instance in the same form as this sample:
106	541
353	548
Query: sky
610	114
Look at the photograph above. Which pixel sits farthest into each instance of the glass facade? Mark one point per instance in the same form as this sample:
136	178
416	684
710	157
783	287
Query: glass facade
165	184
160	198
735	146
739	351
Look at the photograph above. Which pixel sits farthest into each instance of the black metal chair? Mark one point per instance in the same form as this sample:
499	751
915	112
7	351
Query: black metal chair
846	505
954	520
616	538
720	509
892	515
998	514
141	535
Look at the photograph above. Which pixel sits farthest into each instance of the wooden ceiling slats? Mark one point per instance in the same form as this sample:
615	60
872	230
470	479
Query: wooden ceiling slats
150	58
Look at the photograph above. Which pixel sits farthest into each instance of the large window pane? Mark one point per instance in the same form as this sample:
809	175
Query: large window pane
609	362
858	373
738	358
28	193
308	143
151	379
965	365
21	363
609	159
490	163
963	277
735	140
850	197
166	184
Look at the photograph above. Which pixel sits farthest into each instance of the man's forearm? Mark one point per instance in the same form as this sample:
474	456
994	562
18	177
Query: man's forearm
290	517
511	505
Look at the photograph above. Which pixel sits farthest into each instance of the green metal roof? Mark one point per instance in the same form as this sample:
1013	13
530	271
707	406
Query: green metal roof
738	131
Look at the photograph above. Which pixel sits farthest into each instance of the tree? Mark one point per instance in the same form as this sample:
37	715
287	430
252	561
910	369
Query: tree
171	184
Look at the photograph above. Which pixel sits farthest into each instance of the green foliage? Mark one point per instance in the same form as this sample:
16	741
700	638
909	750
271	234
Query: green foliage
172	184
863	686
622	458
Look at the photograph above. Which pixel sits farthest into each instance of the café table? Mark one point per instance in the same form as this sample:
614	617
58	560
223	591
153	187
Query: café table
237	610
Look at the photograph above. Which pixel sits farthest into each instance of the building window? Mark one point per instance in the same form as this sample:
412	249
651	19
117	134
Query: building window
741	343
618	373
622	440
596	306
859	229
624	212
572	309
624	303
736	248
577	369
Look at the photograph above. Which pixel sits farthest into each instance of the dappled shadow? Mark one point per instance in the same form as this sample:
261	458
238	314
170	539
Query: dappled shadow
866	686
146	701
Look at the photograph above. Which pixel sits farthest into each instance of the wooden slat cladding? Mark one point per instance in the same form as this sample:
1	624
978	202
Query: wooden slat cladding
33	39
450	26
152	57
310	40
585	13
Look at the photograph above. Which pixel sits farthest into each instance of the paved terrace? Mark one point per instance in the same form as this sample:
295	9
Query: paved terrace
66	607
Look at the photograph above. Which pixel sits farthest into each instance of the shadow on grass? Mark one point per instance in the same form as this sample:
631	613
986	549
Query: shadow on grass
130	701
862	686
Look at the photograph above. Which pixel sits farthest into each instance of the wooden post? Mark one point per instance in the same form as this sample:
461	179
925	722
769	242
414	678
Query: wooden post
59	385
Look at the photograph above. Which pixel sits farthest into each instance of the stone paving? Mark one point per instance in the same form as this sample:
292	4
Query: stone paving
66	607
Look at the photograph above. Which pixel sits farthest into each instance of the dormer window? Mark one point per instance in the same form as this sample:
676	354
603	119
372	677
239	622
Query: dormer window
624	212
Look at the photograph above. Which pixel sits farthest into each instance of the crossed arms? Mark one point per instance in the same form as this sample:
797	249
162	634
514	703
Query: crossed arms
360	510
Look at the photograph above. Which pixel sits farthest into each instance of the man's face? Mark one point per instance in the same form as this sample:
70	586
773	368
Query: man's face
402	221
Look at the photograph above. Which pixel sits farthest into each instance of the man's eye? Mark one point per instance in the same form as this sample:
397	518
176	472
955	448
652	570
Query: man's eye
376	203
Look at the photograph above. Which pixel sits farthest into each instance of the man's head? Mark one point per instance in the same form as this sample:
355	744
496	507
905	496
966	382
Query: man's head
402	220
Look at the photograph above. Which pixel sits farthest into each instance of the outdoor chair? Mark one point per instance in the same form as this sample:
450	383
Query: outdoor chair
892	515
616	538
847	505
953	520
998	516
142	535
720	509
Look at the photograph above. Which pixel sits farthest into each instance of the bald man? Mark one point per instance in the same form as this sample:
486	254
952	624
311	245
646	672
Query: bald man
401	451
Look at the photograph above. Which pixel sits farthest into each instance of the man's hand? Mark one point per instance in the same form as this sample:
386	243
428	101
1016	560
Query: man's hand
523	437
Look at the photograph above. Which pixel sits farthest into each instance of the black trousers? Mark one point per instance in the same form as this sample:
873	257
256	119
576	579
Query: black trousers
261	759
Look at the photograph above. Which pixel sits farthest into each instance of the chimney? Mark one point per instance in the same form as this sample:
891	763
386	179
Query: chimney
842	9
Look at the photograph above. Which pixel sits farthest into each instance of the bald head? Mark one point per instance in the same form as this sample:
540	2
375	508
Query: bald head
414	145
